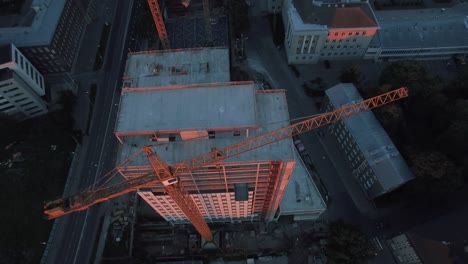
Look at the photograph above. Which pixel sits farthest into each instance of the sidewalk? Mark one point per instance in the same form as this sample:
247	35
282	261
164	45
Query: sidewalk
265	58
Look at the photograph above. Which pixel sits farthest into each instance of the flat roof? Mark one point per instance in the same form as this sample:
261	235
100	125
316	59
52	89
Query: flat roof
5	54
42	28
376	146
271	108
301	194
271	113
187	107
172	67
307	14
424	28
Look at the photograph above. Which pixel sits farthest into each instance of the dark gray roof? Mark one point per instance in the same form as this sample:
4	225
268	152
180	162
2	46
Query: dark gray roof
335	15
5	54
5	74
424	28
376	146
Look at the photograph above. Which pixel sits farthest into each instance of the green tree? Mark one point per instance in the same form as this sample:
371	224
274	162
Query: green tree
454	142
351	74
67	99
347	244
402	73
435	172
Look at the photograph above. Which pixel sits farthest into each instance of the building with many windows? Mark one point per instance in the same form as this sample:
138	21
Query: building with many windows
317	31
21	86
413	249
376	163
183	104
48	32
431	33
12	58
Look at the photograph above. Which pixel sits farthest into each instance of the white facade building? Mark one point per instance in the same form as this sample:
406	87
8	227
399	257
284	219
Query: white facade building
319	31
377	165
17	99
21	86
432	33
12	58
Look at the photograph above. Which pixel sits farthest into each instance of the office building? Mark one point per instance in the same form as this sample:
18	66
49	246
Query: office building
21	86
183	104
413	249
421	34
376	163
317	31
48	33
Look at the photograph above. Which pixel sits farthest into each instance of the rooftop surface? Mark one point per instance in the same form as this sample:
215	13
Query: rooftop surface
270	111
424	28
5	54
331	15
16	13
42	28
191	66
5	74
376	146
187	107
301	186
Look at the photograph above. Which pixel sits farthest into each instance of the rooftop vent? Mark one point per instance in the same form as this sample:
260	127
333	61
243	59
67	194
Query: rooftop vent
155	69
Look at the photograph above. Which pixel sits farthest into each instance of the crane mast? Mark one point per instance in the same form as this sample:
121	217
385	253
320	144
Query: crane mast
167	175
161	27
159	23
180	196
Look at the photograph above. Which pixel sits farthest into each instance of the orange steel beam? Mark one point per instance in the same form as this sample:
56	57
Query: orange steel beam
180	196
289	131
159	23
167	174
84	200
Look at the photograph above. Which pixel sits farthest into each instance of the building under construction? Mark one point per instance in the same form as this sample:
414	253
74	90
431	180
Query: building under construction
183	103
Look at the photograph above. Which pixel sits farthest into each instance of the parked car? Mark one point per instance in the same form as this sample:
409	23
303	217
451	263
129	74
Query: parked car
299	146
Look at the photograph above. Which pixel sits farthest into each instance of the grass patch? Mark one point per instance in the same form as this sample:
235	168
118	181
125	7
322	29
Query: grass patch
45	145
102	47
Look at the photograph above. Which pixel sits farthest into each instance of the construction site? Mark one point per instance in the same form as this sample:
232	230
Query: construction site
207	168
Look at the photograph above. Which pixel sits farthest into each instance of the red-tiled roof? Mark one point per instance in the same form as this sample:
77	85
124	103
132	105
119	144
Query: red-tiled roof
349	17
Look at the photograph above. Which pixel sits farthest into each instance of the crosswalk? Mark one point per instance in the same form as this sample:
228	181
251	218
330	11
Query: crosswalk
375	241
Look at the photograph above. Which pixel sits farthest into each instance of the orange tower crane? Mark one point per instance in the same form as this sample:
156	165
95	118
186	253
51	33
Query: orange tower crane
167	175
159	23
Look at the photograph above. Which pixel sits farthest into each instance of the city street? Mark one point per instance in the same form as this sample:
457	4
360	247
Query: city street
76	234
347	201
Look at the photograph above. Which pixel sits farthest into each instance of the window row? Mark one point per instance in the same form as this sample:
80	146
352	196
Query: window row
349	33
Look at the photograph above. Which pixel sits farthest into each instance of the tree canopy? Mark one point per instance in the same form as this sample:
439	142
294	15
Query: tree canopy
347	244
429	127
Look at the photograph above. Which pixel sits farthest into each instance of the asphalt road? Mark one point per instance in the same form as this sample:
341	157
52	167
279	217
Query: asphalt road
347	201
76	237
